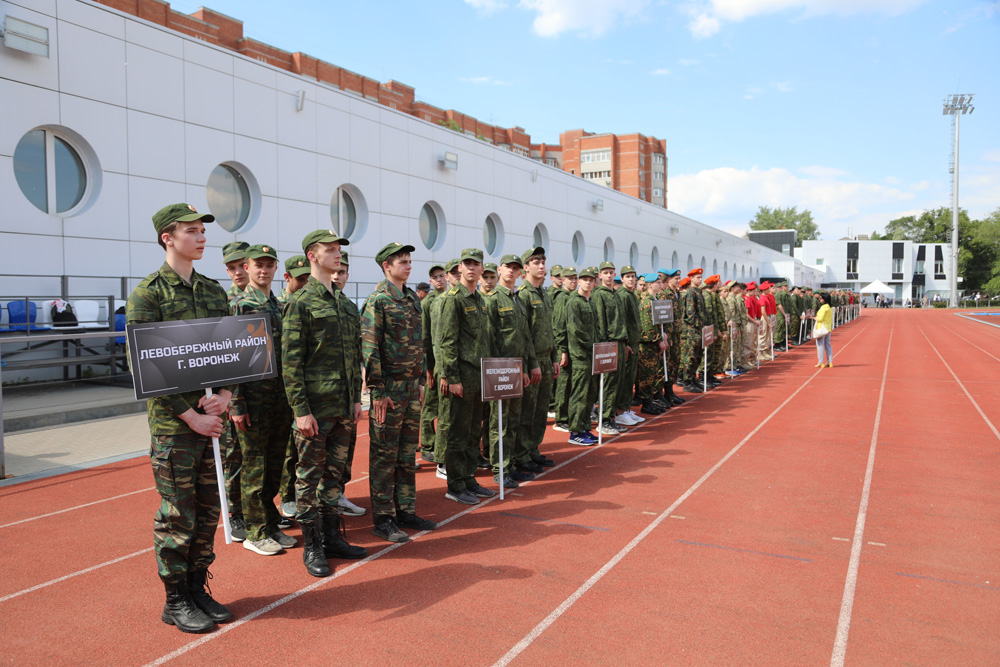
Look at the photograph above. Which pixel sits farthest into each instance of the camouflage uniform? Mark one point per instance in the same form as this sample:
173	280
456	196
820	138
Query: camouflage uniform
462	343
509	336
581	334
264	442
229	444
695	318
610	328
444	406
538	309
630	365
351	317
779	327
183	461
720	348
429	411
319	381
673	331
562	382
393	348
650	358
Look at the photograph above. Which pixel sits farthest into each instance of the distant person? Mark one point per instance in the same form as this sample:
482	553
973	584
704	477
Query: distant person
824	321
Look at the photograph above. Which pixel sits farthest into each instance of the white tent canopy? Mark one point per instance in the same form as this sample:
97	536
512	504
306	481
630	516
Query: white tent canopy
877	287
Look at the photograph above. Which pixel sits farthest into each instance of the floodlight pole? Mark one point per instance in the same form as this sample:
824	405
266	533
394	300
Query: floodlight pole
955	105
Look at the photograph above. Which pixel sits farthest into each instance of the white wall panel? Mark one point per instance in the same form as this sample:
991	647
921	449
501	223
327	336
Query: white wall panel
107	217
25	67
208	97
155	82
36	106
152	147
261	158
255	110
157	39
83	52
91	16
103	126
204	150
333	132
296	174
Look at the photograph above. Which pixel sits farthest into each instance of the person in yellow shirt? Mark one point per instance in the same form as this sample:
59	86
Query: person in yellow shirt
824	318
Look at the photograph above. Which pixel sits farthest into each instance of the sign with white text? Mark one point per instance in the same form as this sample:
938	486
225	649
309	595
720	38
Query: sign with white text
605	358
662	312
502	378
707	335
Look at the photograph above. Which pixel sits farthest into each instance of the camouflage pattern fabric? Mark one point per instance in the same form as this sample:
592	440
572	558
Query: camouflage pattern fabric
429	411
352	355
695	318
320	467
556	294
561	390
393	349
538	309
649	372
629	363
610	328
673	332
440	445
581	330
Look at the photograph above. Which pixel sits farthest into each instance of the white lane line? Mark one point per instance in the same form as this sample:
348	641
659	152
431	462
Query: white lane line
70	509
74	574
850	584
955	333
536	632
962	385
973	319
841	539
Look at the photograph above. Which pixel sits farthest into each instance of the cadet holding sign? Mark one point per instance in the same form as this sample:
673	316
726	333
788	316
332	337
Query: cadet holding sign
503	379
605	361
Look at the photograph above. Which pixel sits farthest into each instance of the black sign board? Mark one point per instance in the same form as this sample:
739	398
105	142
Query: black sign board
663	312
605	358
190	355
707	335
502	378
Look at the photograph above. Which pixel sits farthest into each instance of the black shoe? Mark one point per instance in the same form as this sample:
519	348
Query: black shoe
508	481
635	402
285	523
530	466
181	611
480	491
649	408
463	497
334	539
411	520
660	403
543	461
483	463
386	528
312	552
427	455
237	529
519	475
197	581
693	388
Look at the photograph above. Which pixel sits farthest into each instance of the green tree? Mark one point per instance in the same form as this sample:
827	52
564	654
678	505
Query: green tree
786	218
984	242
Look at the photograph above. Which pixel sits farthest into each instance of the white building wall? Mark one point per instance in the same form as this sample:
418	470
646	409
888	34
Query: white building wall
153	112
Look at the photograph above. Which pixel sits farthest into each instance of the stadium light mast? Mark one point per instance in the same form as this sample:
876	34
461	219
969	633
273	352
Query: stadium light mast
955	106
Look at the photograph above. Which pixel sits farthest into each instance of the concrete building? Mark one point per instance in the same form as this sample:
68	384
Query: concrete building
911	269
631	163
126	112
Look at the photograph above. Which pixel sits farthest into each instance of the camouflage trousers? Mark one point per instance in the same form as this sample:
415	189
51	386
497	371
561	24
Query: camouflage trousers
349	461
629	370
560	392
232	464
511	422
612	381
749	345
734	348
287	486
320	467
673	357
263	444
719	353
392	452
779	330
428	413
691	354
465	415
583	390
650	370
184	527
794	327
534	412
442	427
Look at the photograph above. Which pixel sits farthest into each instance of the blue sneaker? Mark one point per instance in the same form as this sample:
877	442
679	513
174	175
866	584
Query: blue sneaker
593	438
583	439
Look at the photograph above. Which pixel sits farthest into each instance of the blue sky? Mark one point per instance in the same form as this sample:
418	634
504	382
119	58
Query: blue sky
829	105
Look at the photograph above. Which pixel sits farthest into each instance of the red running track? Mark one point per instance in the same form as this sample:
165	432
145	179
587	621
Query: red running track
795	516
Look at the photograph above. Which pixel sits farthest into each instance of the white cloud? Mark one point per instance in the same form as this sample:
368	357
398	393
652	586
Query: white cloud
707	18
892	180
480	80
751	93
921	186
782	86
688	62
660	72
823	172
487	7
590	18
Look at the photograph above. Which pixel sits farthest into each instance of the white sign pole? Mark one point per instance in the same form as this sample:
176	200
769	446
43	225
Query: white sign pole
600	414
704	375
221	479
500	428
732	336
665	377
772	337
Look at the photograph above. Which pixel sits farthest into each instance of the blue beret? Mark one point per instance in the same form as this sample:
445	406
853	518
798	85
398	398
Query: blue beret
650	277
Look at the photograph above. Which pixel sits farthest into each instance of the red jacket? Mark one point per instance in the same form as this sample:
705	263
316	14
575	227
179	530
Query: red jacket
753	307
769	304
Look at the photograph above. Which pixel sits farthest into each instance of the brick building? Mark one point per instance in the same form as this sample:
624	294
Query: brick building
631	163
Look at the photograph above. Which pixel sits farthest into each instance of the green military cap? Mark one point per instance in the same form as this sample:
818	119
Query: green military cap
261	250
606	265
472	253
297	266
390	249
556	271
178	213
450	266
568	271
322	236
531	252
589	272
489	267
344	259
511	259
234	250
435	266
627	269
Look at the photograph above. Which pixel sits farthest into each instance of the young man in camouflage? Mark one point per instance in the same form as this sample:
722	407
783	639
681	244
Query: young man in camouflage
487	284
261	416
296	277
324	392
652	346
462	341
452	277
581	334
429	410
562	380
630	305
182	426
671	292
234	256
509	336
611	329
393	350
535	402
695	317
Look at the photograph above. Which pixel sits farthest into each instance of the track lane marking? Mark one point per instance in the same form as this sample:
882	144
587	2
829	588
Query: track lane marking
536	632
850	584
70	509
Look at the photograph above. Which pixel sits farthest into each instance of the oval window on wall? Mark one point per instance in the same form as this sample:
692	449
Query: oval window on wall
493	234
579	248
51	172
348	213
674	262
540	236
228	196
633	255
690	263
432	226
654	258
609	250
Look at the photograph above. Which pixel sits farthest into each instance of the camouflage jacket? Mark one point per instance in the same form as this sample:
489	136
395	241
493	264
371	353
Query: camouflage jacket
721	326
630	308
507	323
318	379
233	292
461	338
559	322
351	318
610	315
673	330
695	311
392	341
538	308
648	332
250	301
581	328
164	296
426	324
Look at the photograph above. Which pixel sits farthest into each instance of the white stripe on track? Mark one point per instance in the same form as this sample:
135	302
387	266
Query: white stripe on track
74	574
536	632
70	509
851	582
951	331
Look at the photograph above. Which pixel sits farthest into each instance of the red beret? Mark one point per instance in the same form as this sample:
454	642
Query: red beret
686	281
711	280
694	272
751	285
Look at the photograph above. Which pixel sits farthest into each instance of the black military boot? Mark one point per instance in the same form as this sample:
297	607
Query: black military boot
201	593
181	611
671	397
312	553
334	543
649	408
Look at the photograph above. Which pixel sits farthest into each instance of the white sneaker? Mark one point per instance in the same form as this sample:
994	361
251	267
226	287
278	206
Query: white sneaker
441	472
347	508
550	415
624	420
288	509
264	547
605	429
636	418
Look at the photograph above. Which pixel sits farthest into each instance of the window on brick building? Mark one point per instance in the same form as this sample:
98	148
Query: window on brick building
657	175
657	158
657	192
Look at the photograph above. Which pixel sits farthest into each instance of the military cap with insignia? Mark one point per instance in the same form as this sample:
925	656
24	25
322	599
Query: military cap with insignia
450	266
606	265
556	271
261	250
178	213
297	266
568	271
589	272
627	269
651	277
234	250
322	236
531	252
435	266
489	267
344	259
511	259
695	272
390	249
472	253
685	282
711	280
